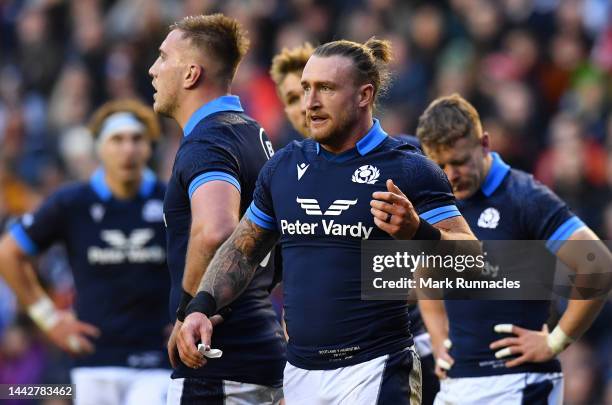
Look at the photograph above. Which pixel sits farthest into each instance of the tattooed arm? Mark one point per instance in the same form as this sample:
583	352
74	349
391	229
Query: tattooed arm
227	276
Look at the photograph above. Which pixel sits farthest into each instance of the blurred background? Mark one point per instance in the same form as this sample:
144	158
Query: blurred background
538	71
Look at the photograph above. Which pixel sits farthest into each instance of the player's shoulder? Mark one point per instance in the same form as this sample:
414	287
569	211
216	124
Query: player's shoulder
293	151
406	142
70	194
520	183
223	125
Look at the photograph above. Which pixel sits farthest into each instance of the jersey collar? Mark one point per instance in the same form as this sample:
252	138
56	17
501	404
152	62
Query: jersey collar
100	187
223	103
375	136
496	175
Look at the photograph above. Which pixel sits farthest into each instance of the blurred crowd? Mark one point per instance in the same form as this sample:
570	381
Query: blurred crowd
538	71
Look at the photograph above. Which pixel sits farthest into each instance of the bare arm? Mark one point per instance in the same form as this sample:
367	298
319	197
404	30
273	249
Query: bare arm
60	327
17	270
436	322
233	267
228	274
215	212
580	314
540	346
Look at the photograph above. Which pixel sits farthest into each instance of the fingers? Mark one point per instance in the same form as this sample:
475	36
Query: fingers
504	342
440	373
216	320
391	198
509	328
172	355
394	189
88	329
443	364
78	345
518	361
196	327
187	348
505	352
386	227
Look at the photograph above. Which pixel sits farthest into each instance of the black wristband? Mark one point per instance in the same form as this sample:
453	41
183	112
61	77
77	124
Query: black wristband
426	231
180	311
203	302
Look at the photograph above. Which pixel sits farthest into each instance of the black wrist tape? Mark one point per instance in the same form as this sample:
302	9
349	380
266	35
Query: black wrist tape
203	302
426	231
180	311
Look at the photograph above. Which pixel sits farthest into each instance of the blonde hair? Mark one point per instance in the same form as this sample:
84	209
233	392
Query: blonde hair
369	60
290	61
221	36
448	119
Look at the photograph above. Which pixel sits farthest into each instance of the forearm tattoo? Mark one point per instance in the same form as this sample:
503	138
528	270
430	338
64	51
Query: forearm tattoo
235	262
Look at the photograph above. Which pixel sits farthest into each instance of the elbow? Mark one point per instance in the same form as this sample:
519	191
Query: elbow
212	239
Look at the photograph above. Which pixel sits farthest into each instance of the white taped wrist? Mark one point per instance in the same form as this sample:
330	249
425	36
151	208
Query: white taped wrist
558	341
44	314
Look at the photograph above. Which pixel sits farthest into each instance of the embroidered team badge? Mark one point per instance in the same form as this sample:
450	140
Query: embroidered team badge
489	218
366	174
97	212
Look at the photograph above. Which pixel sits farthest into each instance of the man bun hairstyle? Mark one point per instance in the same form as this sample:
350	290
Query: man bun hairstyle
370	60
220	36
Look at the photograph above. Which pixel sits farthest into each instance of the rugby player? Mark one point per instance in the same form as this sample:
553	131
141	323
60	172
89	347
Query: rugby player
211	186
286	72
499	351
112	228
322	197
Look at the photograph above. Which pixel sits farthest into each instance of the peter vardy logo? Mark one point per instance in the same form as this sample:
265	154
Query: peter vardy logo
329	227
489	218
301	169
311	206
130	249
366	174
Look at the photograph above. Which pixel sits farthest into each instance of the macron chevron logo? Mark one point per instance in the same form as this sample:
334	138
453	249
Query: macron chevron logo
301	169
311	206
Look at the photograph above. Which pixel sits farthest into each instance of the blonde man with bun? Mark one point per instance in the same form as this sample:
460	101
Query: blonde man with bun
112	228
286	71
315	198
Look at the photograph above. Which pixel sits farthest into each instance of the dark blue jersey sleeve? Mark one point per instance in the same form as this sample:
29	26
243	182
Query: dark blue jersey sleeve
208	158
36	232
546	217
427	187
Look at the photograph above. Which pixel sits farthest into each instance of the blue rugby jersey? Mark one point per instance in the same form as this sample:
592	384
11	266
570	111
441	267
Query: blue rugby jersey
510	205
222	143
320	205
116	249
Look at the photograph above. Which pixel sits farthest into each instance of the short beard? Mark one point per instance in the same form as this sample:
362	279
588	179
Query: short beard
169	108
338	135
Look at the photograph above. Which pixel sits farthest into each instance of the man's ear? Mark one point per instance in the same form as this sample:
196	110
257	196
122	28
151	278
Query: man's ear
366	95
485	142
193	75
